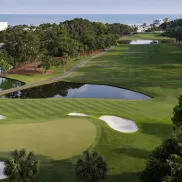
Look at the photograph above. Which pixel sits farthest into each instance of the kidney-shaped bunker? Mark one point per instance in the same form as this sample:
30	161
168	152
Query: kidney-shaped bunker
120	124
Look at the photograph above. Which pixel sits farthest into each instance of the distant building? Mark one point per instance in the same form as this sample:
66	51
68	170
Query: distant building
3	26
142	28
158	22
166	20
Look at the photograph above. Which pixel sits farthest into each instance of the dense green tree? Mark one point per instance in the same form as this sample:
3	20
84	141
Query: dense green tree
177	113
91	167
175	163
21	166
171	25
4	66
20	45
72	38
173	29
46	62
161	165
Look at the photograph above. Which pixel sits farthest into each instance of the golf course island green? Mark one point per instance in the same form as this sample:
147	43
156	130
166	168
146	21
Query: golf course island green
58	140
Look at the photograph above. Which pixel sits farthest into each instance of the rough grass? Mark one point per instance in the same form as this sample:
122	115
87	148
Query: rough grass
152	69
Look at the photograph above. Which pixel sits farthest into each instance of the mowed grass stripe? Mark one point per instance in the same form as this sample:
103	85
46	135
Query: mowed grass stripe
47	109
35	111
86	105
38	110
83	106
100	106
19	109
60	105
50	109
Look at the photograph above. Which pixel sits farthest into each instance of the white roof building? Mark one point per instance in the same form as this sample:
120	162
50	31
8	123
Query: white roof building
158	22
3	26
167	20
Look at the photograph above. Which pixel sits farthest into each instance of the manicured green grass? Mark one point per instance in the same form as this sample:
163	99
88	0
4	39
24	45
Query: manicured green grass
54	139
125	153
152	69
145	36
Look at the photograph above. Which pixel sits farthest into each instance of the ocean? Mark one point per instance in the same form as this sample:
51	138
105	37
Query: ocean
34	19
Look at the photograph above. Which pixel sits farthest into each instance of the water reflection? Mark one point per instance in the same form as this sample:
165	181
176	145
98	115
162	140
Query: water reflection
144	42
6	83
135	42
77	90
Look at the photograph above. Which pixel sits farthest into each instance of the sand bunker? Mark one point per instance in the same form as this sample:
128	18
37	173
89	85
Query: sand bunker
2	117
2	166
78	114
120	124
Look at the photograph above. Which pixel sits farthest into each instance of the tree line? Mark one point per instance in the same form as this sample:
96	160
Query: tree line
65	40
165	162
173	29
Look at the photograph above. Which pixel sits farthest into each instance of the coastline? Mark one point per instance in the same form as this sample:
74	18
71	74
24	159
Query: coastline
36	19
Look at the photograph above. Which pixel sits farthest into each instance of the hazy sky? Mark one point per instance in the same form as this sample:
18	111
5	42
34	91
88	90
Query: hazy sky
91	7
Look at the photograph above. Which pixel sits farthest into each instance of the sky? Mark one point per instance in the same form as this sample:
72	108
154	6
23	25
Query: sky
91	7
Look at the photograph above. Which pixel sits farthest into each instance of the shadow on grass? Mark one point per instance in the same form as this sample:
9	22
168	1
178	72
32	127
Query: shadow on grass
57	170
161	130
134	152
123	177
50	170
63	171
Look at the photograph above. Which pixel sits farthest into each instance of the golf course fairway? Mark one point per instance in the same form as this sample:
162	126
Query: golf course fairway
155	70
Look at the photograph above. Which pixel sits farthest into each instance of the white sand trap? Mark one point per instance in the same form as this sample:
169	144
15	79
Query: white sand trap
2	117
2	166
78	114
120	124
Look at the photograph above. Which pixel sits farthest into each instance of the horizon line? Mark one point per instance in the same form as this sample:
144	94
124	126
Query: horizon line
91	14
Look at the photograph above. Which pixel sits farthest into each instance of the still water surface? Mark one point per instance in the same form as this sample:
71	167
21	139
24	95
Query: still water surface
77	90
9	83
144	42
138	42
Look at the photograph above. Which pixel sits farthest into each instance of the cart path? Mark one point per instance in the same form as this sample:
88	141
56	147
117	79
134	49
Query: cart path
26	86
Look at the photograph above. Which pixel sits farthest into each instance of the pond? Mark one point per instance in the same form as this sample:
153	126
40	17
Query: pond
137	42
77	90
6	83
144	42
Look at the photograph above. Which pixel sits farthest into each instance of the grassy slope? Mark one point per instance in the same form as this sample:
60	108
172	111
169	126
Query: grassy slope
155	69
147	36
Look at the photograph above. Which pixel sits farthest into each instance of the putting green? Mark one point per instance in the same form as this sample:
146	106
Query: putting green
56	139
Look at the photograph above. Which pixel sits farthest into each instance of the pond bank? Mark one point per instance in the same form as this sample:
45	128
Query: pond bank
52	80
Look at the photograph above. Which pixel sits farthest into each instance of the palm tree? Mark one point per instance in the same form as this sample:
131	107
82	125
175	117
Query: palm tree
21	166
91	167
